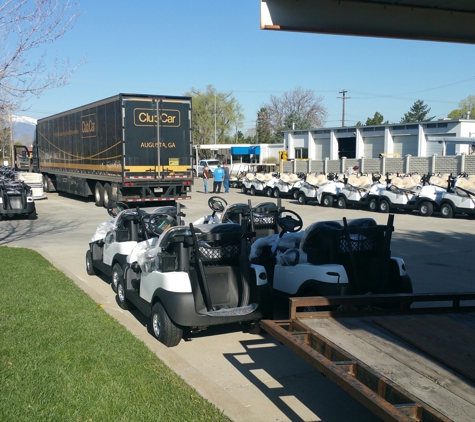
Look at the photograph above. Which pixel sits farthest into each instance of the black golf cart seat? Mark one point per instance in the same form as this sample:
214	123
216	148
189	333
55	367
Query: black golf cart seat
362	248
264	219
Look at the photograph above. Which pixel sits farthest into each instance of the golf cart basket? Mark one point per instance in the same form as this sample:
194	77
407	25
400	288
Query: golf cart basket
264	219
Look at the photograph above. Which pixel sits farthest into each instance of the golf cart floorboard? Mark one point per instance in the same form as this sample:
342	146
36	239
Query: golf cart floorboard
404	364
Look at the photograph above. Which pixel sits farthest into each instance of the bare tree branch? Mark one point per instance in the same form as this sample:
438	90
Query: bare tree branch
25	27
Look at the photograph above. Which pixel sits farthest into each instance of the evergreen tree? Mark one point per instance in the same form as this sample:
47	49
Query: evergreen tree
417	113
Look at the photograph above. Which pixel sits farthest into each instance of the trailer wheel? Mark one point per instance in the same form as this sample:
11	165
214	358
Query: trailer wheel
89	265
426	209
341	202
447	211
302	200
46	183
163	328
99	194
107	195
384	206
327	201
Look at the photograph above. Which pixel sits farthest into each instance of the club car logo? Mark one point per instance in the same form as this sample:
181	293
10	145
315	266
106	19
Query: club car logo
88	126
148	117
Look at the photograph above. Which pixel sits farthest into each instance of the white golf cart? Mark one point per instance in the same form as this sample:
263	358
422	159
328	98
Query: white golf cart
193	277
460	197
361	191
287	185
329	258
115	239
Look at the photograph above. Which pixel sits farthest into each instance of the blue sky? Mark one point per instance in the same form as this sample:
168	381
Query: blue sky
168	47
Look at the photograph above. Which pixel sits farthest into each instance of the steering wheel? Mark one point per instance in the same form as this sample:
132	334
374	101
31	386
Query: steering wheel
289	221
156	224
217	204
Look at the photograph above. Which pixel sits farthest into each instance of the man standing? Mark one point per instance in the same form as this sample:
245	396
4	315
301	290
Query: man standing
226	178
218	175
205	178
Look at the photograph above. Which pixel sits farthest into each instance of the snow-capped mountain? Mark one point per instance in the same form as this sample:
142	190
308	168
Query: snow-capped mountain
23	129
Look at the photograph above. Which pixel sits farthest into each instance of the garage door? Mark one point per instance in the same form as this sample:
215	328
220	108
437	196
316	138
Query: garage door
373	146
322	149
405	145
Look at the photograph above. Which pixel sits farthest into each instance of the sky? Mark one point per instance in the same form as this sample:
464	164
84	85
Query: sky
168	47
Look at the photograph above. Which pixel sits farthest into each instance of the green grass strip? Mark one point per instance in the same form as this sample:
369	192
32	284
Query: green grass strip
63	358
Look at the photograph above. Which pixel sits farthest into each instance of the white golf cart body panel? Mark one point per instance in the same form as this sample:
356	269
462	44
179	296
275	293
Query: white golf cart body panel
331	188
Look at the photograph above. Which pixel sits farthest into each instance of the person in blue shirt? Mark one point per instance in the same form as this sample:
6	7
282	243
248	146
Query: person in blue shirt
218	175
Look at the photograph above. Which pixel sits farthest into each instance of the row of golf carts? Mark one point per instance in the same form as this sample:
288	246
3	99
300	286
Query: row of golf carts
229	266
447	194
16	197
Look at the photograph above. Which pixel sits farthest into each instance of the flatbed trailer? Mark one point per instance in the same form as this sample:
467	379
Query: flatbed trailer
403	363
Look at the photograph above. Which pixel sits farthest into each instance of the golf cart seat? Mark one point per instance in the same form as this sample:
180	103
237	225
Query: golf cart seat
293	178
264	221
361	249
284	178
267	177
234	213
127	227
261	177
250	176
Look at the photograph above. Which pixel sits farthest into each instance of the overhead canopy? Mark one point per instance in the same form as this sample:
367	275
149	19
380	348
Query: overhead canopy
435	20
245	150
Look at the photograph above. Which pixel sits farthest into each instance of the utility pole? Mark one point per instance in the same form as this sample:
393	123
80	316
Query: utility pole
344	98
215	119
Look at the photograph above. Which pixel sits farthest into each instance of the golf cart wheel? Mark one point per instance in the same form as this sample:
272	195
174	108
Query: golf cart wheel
163	328
253	191
32	215
243	190
341	202
327	201
301	199
123	302
384	206
426	209
373	204
447	211
89	265
107	195
117	276
295	194
276	193
99	194
269	192
252	327
234	185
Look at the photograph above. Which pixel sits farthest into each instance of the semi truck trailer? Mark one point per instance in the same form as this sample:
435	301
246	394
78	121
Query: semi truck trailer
128	148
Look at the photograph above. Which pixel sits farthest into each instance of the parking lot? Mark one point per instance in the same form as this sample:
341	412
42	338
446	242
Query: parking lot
250	377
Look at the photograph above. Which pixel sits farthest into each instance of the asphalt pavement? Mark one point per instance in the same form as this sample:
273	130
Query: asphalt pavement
250	377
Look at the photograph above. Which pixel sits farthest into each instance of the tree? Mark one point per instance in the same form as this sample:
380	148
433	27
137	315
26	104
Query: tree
25	27
465	105
212	109
376	120
297	109
417	113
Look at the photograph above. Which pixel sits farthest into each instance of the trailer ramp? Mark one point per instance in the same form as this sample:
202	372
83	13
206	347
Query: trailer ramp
400	374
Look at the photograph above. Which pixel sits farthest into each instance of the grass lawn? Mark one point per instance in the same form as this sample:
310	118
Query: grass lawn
63	358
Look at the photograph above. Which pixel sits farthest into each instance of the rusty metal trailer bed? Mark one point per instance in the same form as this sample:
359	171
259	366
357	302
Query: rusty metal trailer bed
403	363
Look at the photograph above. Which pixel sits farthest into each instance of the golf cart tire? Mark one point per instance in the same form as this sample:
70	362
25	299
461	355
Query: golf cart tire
269	192
373	204
122	301
341	202
243	190
234	185
426	209
384	206
89	266
116	276
302	200
253	191
253	328
107	195
32	216
276	193
99	194
295	194
327	201
163	328
446	211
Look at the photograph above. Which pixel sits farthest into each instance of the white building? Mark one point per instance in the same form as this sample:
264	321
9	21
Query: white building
442	137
